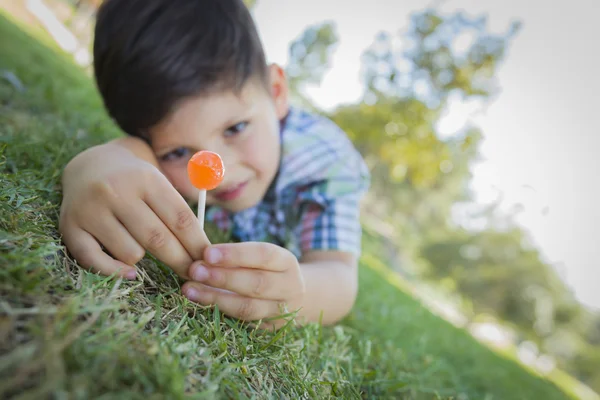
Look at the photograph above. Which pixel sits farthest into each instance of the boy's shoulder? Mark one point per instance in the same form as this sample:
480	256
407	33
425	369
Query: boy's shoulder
314	148
303	129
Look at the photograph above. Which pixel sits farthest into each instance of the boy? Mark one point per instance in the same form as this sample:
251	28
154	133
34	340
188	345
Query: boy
179	76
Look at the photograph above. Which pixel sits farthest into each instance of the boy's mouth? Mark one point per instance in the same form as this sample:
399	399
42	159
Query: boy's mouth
231	193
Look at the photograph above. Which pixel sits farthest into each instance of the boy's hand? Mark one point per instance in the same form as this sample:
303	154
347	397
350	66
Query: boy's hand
248	281
115	199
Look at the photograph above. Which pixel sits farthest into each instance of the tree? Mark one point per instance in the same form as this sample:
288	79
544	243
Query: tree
433	65
417	175
504	278
310	56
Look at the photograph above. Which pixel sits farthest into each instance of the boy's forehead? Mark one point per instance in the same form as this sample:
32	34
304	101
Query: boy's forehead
213	111
219	107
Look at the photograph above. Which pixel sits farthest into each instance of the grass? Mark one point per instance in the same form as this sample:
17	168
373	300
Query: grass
66	333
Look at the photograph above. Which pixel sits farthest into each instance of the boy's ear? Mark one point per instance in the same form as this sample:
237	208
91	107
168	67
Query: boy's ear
279	90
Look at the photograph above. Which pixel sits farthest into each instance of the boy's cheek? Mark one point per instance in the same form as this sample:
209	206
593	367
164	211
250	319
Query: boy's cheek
181	183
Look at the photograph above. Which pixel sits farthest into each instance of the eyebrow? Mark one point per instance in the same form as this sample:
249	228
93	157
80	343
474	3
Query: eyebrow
242	116
246	108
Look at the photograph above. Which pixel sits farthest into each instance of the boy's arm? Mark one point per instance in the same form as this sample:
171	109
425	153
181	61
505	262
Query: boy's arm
138	147
331	282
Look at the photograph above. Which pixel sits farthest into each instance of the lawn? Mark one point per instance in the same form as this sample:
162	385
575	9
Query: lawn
66	333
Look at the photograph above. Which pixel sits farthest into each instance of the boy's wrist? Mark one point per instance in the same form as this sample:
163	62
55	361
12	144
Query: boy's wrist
98	155
331	289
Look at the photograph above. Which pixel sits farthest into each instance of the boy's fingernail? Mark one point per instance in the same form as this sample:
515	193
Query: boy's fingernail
213	256
200	273
131	274
191	294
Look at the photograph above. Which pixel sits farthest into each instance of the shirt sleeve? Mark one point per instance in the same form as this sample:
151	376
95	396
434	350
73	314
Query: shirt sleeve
329	208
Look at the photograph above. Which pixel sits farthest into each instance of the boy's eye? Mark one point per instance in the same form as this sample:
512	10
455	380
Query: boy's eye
176	154
235	129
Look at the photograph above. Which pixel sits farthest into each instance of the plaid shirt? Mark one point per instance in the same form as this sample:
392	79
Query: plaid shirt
313	202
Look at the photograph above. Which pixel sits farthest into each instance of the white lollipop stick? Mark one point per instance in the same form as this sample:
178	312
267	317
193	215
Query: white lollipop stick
201	207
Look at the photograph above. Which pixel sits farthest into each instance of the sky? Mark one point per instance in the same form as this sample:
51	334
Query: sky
540	134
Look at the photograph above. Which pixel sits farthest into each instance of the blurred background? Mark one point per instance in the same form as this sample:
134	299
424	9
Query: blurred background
476	119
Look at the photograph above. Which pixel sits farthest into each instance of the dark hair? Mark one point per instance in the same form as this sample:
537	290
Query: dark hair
151	54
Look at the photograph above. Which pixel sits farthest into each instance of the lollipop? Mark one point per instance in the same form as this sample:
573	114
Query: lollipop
206	171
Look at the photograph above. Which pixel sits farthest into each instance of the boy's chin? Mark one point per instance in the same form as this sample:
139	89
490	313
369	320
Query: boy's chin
251	198
239	204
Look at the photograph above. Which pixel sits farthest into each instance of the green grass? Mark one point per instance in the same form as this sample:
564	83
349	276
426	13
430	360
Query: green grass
66	333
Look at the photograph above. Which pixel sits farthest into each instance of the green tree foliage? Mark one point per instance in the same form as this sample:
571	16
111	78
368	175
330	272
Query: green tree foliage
419	176
309	59
407	90
434	63
503	277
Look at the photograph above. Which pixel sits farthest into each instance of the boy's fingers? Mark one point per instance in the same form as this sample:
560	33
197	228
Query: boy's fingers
260	255
175	213
116	239
234	305
244	281
153	235
88	254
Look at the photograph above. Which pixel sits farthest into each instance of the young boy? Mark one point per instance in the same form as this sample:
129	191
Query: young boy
179	76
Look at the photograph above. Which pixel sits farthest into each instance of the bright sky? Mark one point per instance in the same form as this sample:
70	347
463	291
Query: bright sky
540	136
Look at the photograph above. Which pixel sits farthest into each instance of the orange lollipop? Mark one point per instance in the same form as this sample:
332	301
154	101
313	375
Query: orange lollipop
206	172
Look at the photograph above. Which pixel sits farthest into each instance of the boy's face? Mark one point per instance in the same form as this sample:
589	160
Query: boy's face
243	129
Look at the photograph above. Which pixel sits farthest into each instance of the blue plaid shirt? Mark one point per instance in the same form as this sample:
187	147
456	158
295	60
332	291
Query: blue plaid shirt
313	202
